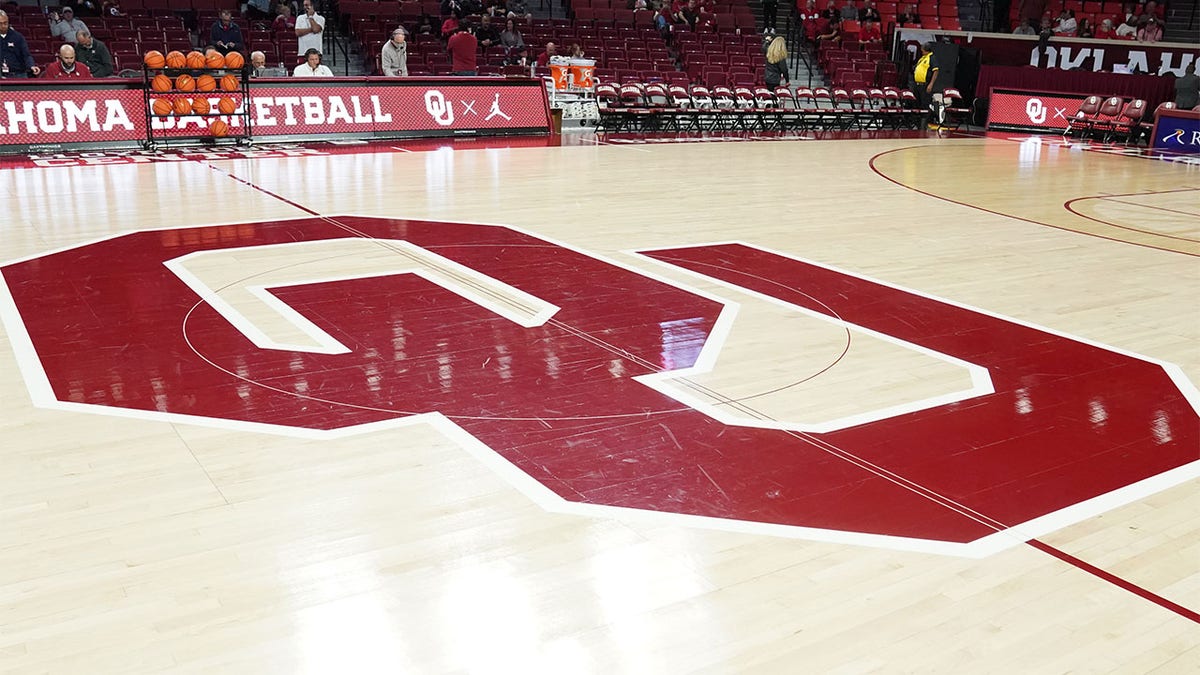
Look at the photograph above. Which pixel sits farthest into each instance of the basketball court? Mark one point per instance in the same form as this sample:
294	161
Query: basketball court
623	406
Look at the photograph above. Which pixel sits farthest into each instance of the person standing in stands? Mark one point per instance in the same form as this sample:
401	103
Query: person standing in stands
66	67
770	9
15	59
310	29
924	80
93	54
394	58
65	26
462	47
1187	89
776	70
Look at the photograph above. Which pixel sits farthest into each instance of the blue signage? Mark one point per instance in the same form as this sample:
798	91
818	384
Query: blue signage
1177	134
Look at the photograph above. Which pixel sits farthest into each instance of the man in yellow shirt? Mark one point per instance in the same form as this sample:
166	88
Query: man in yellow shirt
924	84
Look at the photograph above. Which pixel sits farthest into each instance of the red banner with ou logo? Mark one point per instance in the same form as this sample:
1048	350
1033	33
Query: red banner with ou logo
1020	110
112	113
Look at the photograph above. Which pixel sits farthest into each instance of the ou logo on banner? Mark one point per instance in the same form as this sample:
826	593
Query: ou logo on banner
1036	110
582	378
439	108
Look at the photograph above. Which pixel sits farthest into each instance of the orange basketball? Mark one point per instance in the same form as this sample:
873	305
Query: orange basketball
201	106
234	60
162	107
185	83
195	59
218	128
160	83
227	105
154	59
176	60
229	83
214	59
206	83
182	106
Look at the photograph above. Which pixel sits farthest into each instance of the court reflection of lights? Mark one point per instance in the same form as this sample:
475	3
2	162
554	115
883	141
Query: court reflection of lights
353	635
489	622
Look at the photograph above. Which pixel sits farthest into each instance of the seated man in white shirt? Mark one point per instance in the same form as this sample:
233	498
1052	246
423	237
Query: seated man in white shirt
312	66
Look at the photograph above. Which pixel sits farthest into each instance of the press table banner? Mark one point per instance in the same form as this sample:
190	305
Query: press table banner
1169	58
1177	131
39	115
1020	110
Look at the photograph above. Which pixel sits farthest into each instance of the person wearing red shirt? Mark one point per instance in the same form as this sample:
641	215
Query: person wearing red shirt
870	32
65	67
543	59
463	47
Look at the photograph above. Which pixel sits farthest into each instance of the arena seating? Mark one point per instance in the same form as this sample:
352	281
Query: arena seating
149	24
1094	11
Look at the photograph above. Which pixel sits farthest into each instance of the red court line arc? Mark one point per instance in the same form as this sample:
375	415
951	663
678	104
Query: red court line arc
888	178
1186	613
1069	205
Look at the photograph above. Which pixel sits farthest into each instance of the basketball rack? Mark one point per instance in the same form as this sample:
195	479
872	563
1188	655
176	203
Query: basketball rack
165	130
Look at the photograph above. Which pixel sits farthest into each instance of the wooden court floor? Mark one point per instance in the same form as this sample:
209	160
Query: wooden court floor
906	405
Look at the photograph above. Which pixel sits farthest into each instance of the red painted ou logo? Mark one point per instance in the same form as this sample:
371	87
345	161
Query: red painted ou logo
555	385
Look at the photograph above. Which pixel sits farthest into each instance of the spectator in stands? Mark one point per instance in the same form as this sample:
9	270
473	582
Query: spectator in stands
425	25
518	9
637	5
1187	88
511	37
65	26
94	54
394	58
486	33
1149	10
1085	29
832	32
770	9
663	17
576	51
258	10
462	47
1105	30
312	66
869	12
65	67
1025	28
15	59
1128	27
923	81
869	32
690	14
310	28
226	35
909	17
831	12
284	21
1129	11
551	51
1066	25
258	64
111	8
848	12
776	71
1151	31
451	25
517	57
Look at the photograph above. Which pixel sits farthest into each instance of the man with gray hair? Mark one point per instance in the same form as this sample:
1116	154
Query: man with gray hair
258	63
65	26
93	54
394	58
